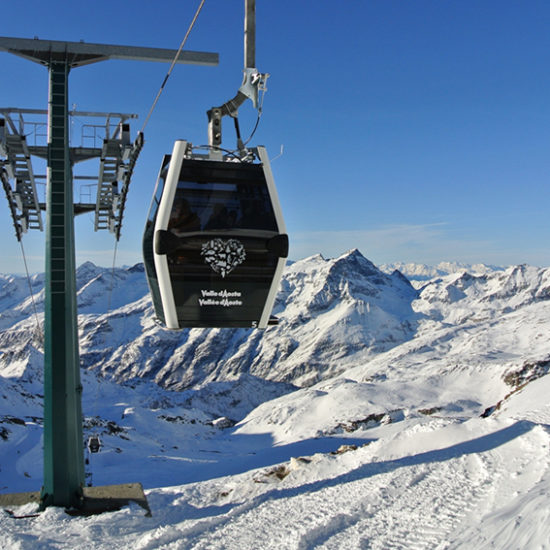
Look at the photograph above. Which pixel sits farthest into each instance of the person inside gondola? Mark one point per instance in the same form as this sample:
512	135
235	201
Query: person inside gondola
219	218
182	218
254	215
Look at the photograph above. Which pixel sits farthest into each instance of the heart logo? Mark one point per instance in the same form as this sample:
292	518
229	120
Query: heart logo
223	256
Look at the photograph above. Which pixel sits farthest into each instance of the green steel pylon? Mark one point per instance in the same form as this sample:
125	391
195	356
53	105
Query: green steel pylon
63	438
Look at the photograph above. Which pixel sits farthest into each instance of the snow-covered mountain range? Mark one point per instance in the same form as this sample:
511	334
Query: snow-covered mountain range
376	414
332	314
422	272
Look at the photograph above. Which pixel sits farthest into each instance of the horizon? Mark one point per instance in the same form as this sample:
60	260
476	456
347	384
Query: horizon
439	265
415	132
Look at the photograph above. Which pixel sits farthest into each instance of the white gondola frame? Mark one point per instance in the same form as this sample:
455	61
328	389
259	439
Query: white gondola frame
163	218
281	227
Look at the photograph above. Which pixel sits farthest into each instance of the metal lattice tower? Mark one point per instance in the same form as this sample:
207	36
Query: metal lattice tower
63	438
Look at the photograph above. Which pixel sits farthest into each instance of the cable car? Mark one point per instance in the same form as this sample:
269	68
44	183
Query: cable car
215	242
94	443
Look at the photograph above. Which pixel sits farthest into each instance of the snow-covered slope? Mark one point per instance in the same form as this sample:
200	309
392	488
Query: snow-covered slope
332	314
425	427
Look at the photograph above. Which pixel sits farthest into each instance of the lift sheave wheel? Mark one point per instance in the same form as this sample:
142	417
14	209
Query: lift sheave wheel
215	242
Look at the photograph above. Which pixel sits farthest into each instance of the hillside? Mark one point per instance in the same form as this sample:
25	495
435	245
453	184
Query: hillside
374	416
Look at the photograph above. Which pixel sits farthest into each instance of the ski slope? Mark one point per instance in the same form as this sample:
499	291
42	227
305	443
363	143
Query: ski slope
425	483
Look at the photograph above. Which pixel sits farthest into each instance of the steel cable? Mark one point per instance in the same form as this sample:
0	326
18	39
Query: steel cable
173	64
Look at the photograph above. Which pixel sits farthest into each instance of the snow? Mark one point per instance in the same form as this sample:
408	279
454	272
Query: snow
419	273
438	437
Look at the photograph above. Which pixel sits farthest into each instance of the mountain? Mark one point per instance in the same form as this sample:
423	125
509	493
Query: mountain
479	340
332	313
375	415
421	272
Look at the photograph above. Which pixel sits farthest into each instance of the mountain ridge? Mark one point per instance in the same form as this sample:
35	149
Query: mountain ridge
333	313
372	402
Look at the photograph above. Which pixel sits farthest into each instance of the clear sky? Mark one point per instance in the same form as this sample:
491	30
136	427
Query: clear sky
416	130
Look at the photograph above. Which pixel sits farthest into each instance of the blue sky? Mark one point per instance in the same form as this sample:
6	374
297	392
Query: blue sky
416	131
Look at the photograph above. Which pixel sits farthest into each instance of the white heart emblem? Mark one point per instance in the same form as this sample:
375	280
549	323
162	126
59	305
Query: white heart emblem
223	256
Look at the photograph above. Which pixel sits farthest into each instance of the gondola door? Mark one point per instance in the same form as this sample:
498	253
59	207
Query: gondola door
219	242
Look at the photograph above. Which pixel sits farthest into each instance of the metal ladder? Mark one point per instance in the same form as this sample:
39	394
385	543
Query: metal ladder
18	167
117	161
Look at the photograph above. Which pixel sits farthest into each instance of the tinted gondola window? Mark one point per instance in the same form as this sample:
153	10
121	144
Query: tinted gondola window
213	198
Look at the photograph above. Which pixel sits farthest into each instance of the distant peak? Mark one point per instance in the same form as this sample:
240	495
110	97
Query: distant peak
87	265
353	252
137	268
354	255
317	256
354	262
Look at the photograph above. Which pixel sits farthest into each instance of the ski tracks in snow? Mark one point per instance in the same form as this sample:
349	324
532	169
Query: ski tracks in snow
428	505
449	498
418	507
425	501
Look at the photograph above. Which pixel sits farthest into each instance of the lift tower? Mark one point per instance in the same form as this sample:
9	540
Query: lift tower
63	438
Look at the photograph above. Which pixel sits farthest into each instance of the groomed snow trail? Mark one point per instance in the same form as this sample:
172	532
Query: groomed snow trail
424	501
439	485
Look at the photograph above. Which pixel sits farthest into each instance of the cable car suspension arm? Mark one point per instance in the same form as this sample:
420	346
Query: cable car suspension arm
253	83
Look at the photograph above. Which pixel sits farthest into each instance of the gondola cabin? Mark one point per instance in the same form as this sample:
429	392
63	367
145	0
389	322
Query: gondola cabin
215	241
